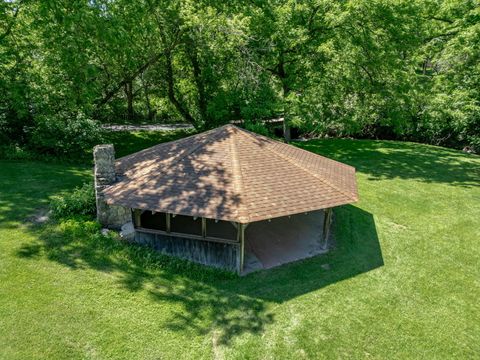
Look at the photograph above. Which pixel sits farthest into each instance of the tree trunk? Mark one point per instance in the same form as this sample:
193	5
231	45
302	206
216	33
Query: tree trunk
110	94
150	112
286	125
129	95
171	91
197	75
286	92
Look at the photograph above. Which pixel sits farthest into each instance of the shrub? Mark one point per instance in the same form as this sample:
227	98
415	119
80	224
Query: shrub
257	127
80	240
14	152
65	134
80	201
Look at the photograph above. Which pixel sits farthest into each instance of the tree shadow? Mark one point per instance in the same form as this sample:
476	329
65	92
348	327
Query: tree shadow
402	160
241	305
202	300
191	176
25	187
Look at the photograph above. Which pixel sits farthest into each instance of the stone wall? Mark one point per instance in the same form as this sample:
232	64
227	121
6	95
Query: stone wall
111	216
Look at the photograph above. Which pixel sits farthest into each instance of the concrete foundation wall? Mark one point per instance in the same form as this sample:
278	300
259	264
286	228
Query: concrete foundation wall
219	255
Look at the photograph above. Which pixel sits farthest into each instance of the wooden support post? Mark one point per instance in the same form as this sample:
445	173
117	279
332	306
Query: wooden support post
137	217
168	224
204	227
326	225
241	234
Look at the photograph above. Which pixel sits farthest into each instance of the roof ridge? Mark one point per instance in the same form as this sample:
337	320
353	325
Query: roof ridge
237	177
231	174
253	134
181	140
195	147
164	144
278	154
178	158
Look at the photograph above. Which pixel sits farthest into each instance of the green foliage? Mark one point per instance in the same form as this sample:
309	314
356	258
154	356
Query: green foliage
80	201
258	127
65	134
403	69
14	152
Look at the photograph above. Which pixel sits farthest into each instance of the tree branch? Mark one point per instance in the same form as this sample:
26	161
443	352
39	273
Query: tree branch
171	91
129	78
440	19
10	25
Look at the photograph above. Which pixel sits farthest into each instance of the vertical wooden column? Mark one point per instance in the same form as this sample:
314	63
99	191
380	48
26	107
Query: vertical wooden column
137	217
241	238
326	225
204	227
168	224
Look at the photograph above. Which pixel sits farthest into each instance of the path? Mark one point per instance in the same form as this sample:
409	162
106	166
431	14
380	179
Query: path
160	127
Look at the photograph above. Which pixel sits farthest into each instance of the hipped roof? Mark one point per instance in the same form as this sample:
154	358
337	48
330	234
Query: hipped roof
229	173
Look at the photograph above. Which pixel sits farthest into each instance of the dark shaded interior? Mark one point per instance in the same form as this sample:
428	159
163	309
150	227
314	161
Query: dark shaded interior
221	229
157	221
186	225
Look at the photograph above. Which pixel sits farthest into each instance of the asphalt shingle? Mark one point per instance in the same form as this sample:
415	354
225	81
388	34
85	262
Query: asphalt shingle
229	173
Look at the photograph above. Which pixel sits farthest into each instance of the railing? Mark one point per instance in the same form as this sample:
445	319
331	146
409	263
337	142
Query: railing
188	236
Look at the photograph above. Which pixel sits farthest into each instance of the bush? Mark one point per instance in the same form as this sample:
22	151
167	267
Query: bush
65	134
258	128
80	201
14	152
81	240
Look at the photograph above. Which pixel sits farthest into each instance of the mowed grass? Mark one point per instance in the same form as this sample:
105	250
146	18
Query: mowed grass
402	281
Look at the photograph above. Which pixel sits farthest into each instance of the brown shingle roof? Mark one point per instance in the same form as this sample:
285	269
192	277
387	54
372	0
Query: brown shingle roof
231	174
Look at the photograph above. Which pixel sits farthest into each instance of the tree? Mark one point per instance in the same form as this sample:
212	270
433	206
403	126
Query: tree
382	68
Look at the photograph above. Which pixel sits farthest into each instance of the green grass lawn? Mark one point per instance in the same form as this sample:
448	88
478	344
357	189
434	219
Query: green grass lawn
402	282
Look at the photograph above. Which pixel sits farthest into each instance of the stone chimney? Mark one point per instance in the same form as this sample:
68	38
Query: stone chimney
111	216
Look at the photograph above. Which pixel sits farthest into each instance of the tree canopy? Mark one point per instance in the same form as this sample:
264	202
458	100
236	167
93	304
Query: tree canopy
367	68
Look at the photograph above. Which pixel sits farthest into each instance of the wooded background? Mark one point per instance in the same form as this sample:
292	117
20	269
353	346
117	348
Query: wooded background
403	69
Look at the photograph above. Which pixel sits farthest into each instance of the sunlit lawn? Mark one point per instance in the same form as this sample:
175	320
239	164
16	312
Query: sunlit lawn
402	282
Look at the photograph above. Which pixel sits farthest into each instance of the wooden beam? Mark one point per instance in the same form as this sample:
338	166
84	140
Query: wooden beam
204	227
137	217
326	225
241	231
168	224
190	236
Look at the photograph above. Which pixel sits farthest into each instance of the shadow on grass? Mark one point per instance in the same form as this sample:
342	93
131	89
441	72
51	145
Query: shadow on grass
25	187
403	160
208	300
211	301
